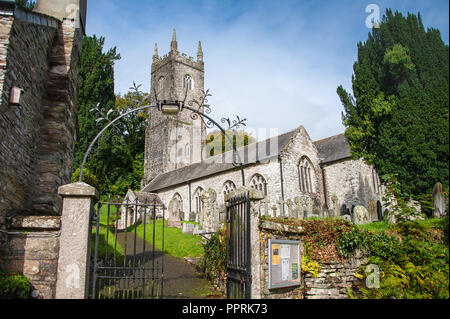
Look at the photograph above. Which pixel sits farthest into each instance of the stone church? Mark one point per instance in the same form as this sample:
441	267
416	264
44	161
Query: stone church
300	177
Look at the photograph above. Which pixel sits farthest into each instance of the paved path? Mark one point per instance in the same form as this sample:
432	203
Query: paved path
180	279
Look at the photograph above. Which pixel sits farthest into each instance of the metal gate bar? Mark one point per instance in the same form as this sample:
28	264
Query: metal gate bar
135	274
238	248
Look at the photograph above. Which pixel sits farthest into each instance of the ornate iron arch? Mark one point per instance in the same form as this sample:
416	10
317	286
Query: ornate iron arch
198	108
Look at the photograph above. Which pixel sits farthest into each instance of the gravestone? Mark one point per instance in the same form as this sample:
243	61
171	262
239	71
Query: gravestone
347	218
174	214
372	209
438	201
360	215
309	207
291	209
298	207
335	200
210	218
188	228
192	216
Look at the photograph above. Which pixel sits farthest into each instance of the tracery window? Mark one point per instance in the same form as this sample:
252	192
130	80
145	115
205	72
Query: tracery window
259	183
376	181
180	200
228	187
306	175
198	200
188	83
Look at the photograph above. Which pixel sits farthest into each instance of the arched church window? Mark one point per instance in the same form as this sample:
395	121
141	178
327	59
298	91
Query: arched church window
188	82
187	150
306	175
198	200
180	200
228	188
259	183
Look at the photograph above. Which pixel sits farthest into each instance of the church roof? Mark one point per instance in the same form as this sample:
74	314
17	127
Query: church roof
250	154
333	149
330	149
148	198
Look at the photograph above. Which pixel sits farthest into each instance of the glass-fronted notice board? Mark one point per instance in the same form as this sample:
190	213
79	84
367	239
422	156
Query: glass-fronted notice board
284	263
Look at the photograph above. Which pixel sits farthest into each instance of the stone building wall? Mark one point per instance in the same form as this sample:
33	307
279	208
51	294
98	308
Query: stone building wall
24	63
301	146
351	182
295	202
40	54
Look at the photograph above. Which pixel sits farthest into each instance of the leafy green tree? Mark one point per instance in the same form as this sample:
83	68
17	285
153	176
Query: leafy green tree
397	117
217	143
96	88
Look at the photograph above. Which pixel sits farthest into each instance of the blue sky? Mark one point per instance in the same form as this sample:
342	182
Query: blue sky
276	63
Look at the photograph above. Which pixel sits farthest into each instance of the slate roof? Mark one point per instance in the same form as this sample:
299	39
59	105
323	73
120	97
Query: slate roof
333	149
249	155
330	149
147	197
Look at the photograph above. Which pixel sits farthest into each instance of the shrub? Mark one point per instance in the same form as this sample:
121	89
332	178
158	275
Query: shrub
14	286
214	260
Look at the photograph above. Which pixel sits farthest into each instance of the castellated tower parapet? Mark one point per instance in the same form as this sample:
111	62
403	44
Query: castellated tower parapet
174	142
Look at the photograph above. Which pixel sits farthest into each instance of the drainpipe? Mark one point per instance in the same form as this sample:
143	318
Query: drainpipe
324	182
281	177
190	197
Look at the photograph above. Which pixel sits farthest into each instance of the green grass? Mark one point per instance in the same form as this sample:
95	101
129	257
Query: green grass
103	247
176	243
428	223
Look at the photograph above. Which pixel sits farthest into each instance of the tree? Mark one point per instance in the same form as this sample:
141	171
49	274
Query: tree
397	118
217	143
96	88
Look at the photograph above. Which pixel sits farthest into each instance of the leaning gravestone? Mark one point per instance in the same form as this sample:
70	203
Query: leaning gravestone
360	215
438	201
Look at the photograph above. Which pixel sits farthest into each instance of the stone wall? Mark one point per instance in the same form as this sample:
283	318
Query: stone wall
34	251
334	276
40	55
350	183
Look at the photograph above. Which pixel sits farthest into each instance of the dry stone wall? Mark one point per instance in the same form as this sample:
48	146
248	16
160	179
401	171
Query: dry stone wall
332	282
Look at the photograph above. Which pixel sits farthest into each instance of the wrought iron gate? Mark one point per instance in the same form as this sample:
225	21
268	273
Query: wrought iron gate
127	264
238	248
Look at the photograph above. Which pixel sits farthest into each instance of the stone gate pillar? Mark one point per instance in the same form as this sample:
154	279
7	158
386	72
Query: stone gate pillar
256	210
75	240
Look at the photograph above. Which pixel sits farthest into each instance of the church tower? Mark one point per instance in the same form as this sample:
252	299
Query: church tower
173	142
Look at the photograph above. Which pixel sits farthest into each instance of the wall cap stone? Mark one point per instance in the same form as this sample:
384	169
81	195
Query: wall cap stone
78	190
36	222
268	225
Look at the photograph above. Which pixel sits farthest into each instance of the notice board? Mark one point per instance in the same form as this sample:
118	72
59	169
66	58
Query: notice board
284	263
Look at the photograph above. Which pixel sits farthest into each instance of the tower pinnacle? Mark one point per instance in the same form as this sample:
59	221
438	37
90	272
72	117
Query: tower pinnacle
155	53
199	52
174	43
